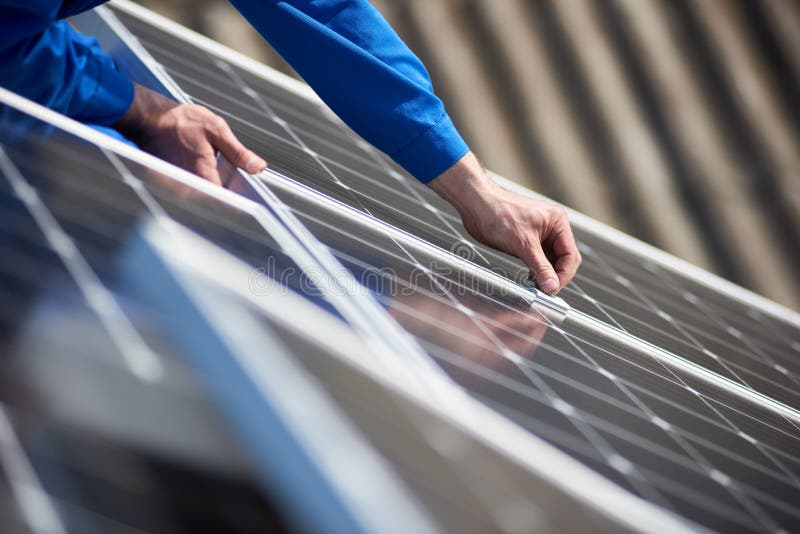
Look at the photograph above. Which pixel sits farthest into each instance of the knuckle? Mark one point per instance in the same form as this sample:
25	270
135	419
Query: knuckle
542	270
527	242
216	121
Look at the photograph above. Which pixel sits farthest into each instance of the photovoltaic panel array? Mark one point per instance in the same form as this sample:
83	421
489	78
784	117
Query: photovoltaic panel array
689	445
646	426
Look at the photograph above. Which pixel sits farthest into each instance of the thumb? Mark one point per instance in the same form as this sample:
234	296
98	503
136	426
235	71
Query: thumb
235	152
542	271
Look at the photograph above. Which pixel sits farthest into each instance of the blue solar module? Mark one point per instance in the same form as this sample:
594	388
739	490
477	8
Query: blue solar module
652	397
146	376
680	390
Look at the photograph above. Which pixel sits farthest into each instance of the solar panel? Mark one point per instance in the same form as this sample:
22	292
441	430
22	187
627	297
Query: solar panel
418	442
676	387
91	204
155	323
102	423
599	400
304	142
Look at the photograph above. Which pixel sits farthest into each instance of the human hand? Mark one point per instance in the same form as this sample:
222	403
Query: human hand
186	135
535	231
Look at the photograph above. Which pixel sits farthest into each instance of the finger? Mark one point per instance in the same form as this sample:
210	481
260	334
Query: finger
206	167
566	267
542	271
223	140
564	252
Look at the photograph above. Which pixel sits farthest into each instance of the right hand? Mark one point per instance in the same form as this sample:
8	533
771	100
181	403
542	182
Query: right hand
186	135
534	230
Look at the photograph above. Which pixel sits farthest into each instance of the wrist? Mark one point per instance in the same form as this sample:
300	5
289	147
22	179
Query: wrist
143	114
465	185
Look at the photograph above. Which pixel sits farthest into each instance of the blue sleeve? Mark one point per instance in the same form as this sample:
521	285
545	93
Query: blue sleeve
358	65
50	63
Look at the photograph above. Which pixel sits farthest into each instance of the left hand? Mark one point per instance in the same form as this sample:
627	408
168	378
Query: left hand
186	135
536	231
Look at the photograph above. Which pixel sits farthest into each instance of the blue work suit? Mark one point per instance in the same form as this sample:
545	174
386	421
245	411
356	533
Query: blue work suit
344	49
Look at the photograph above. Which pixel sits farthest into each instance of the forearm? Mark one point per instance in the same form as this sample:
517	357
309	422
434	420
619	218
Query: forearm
139	121
465	185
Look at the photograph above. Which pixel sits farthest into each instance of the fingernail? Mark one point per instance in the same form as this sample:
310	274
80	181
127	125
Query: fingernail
549	286
255	164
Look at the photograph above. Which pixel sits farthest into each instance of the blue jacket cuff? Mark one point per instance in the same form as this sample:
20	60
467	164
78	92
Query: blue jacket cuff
432	153
113	96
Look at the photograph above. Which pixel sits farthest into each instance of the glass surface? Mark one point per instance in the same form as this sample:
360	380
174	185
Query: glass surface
621	412
682	445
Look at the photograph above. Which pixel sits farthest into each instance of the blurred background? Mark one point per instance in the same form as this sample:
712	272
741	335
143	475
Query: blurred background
677	121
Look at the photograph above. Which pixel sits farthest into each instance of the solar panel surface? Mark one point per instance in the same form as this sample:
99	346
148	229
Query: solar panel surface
657	431
107	455
437	459
647	426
